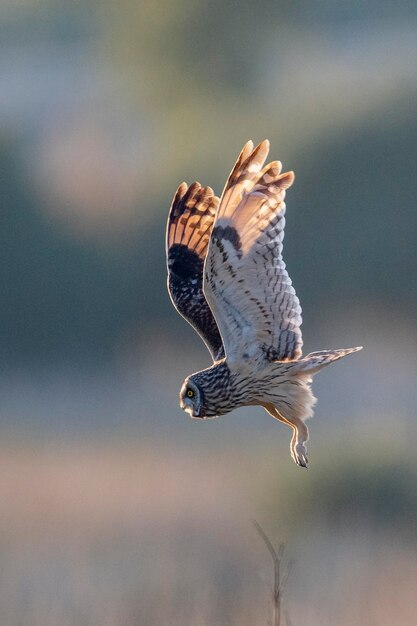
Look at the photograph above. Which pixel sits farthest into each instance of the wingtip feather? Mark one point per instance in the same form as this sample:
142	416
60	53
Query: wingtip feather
181	191
191	216
286	180
266	143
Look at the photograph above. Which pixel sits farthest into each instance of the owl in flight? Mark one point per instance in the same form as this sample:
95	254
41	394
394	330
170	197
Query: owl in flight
226	276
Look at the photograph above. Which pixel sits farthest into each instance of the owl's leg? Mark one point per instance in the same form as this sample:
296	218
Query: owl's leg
299	438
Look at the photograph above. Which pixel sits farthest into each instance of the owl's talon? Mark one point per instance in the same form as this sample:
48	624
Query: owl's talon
299	454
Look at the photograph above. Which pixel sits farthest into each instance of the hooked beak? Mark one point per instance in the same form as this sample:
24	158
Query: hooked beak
188	408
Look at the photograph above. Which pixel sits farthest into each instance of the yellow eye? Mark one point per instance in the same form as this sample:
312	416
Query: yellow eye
190	393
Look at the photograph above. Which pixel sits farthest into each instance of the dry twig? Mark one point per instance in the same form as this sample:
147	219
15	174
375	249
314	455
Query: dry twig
281	575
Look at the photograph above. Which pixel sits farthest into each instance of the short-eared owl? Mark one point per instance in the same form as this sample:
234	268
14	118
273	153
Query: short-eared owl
226	276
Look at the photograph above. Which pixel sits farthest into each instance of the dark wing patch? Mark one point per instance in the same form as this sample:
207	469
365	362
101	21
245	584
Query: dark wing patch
190	222
229	233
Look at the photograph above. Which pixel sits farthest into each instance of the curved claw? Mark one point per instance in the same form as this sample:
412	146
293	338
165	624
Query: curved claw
302	462
299	454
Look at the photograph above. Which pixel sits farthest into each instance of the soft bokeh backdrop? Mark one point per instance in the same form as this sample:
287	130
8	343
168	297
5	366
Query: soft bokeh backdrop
115	507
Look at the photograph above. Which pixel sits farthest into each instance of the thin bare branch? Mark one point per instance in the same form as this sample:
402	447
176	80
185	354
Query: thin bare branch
280	577
265	539
286	575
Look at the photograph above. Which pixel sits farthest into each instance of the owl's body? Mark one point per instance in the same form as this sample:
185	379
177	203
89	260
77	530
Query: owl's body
226	276
223	389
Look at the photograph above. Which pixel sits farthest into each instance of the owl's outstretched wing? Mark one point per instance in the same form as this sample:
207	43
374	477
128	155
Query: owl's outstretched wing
245	280
190	222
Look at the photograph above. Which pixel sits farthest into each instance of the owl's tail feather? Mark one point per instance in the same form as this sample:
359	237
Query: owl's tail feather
315	361
292	401
292	394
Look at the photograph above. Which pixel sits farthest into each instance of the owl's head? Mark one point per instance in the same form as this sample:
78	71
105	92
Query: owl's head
192	399
208	393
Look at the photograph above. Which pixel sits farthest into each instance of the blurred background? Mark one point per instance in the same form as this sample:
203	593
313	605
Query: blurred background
115	507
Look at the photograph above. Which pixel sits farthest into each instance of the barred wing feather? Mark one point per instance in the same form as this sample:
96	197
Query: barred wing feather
190	222
245	280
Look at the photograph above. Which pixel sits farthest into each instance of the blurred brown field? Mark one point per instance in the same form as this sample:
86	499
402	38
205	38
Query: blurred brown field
121	533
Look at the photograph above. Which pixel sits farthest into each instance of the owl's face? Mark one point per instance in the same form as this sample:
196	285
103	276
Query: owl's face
192	399
208	393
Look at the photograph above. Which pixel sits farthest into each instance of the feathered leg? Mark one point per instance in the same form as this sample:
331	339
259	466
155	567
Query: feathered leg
299	438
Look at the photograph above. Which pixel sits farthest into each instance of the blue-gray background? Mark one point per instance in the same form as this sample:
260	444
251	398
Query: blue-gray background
104	108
